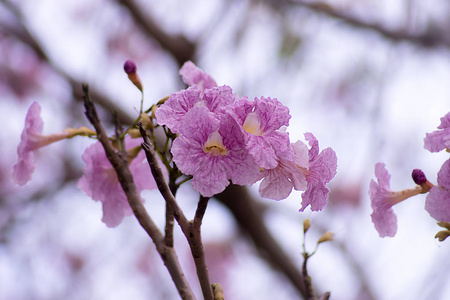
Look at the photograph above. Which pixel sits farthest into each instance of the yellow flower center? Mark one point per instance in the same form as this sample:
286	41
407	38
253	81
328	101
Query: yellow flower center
252	124
214	145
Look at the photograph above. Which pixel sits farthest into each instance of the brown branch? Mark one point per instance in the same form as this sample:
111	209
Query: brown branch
428	39
125	177
243	207
22	34
197	249
191	229
181	48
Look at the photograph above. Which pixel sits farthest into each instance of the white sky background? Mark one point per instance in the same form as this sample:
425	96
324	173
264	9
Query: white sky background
399	94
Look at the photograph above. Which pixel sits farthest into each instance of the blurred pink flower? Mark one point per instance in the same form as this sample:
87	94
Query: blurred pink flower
439	139
100	181
31	140
322	168
438	199
383	198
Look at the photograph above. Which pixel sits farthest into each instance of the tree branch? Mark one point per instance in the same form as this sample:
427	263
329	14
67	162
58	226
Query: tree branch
191	229
181	48
243	207
125	177
431	38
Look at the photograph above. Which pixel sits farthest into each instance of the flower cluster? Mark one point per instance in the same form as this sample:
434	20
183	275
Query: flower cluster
438	199
223	137
220	138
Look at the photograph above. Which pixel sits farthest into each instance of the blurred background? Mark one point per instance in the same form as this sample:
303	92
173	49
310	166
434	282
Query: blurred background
368	78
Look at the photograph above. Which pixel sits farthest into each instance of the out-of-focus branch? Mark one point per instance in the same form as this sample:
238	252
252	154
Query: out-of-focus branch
430	39
181	48
21	33
120	165
243	207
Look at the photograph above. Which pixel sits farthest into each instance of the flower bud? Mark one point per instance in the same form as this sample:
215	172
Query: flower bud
131	69
218	291
419	178
306	225
145	121
444	224
442	235
327	236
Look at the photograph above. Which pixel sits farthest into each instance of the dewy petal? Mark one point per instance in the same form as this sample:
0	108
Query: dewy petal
322	168
440	139
192	75
99	181
438	199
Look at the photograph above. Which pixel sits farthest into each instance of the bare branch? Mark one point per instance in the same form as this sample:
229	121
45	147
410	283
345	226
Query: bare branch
191	229
125	177
181	48
429	39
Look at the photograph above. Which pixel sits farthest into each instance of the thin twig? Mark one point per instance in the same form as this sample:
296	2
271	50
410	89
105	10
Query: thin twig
125	177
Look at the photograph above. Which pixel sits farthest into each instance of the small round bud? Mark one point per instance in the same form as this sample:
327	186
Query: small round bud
418	176
130	67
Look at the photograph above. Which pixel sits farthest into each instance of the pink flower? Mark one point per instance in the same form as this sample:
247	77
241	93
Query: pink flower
279	181
261	121
192	75
100	181
383	198
172	112
31	140
322	168
212	149
439	139
438	199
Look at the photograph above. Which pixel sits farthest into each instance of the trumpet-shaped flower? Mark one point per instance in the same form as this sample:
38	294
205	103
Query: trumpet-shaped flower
261	121
212	149
100	182
322	168
383	198
438	199
439	139
31	140
172	112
